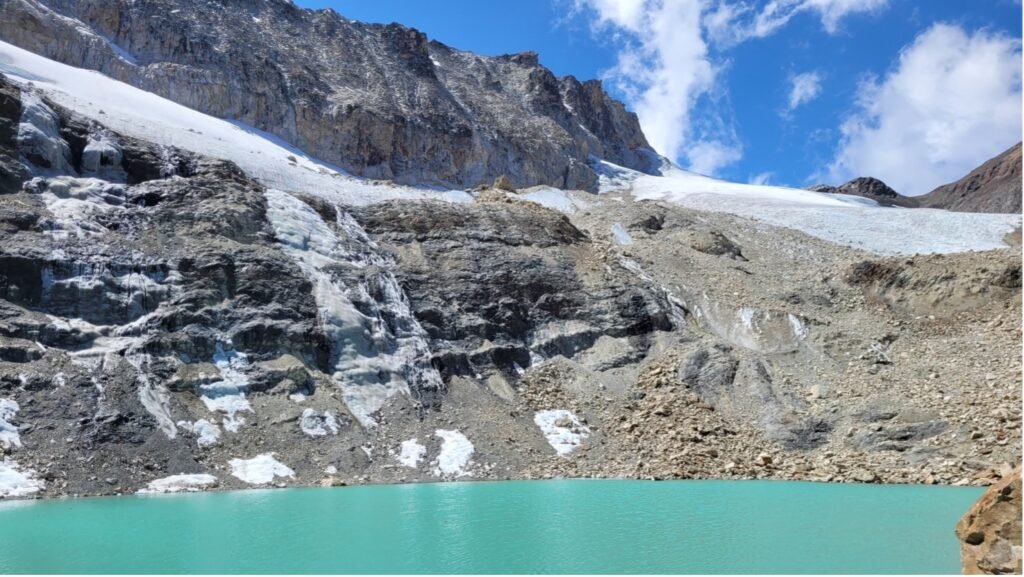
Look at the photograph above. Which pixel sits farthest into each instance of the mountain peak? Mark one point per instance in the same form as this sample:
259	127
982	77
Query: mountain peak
381	101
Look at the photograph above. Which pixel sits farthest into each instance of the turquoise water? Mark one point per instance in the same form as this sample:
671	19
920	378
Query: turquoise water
522	527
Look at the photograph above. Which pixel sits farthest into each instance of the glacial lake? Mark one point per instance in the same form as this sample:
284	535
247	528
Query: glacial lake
571	526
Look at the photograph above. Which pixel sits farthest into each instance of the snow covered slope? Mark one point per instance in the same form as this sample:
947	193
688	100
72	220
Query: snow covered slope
848	220
844	219
146	116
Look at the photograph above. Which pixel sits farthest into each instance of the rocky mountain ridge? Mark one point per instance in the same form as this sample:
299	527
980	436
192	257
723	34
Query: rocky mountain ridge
869	187
379	101
993	187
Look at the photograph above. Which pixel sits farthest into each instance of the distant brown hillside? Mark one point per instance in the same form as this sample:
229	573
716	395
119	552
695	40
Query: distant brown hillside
992	187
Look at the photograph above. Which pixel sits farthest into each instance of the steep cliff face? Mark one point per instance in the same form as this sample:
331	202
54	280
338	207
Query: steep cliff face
379	101
995	186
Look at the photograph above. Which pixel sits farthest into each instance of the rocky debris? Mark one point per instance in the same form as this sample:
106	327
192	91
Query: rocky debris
990	532
995	186
503	183
869	187
671	433
715	243
938	284
381	101
286	372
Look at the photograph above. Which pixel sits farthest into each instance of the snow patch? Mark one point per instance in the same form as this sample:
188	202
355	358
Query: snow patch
411	453
9	436
799	328
207	433
563	430
746	316
179	483
622	237
455	455
227	396
17	483
259	470
555	199
317	424
535	359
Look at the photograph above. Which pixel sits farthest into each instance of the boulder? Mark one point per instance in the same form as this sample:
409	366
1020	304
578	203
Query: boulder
504	183
990	531
191	376
285	370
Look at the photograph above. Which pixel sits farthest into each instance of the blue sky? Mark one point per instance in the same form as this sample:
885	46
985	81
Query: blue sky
779	91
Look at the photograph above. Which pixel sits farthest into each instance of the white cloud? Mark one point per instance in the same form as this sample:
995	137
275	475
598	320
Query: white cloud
952	101
761	179
803	89
664	71
733	22
627	14
709	156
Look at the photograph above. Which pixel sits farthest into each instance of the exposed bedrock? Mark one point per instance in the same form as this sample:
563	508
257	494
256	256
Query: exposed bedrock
380	101
500	286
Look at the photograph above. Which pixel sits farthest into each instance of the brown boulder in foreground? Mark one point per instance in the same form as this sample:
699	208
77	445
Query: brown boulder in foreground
990	531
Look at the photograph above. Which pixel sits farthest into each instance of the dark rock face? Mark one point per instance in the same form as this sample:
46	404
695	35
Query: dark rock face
868	187
453	260
154	301
995	186
380	101
12	173
990	531
165	259
734	385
